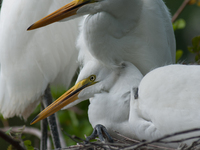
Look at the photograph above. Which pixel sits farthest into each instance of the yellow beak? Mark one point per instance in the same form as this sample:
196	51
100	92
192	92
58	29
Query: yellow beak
68	97
64	12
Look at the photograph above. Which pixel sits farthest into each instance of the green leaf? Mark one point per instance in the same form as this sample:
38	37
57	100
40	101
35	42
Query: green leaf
197	58
179	24
74	119
10	147
8	132
179	54
1	116
28	145
196	44
195	48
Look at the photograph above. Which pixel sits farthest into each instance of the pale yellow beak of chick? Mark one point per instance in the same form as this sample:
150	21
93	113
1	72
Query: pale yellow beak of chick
64	12
68	97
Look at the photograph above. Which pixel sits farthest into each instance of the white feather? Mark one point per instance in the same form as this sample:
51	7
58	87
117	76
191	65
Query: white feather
30	60
137	31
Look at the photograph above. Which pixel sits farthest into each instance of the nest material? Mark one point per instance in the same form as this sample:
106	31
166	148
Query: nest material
126	143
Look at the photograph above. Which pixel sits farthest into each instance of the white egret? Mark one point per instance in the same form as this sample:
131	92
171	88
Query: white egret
167	101
137	31
32	60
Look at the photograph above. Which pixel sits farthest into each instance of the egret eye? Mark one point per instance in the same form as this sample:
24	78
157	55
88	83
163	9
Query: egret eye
92	78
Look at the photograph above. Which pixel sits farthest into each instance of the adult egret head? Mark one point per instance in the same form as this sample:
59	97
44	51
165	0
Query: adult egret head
78	8
64	12
137	31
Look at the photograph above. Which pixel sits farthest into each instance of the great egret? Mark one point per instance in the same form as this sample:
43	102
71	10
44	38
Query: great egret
137	31
32	60
167	100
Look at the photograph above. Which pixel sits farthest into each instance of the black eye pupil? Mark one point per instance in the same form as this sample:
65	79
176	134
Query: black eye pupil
92	78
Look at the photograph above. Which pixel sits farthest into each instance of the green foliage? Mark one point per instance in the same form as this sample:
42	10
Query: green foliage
10	147
74	121
1	117
179	54
57	91
28	145
16	136
195	48
179	24
197	2
8	132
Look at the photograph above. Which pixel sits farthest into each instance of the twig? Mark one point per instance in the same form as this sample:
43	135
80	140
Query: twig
74	138
137	142
178	12
126	138
8	139
159	140
28	130
195	143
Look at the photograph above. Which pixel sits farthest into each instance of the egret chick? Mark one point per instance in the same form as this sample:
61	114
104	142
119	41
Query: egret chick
167	101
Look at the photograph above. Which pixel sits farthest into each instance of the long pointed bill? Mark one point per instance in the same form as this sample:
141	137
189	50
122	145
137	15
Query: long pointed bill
68	97
64	12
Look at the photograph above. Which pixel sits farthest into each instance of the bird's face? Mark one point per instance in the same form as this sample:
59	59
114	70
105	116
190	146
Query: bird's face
78	8
93	78
72	10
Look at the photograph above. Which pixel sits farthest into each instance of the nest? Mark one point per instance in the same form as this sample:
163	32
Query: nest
126	143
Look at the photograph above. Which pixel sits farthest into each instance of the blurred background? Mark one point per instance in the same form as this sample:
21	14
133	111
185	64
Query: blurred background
75	120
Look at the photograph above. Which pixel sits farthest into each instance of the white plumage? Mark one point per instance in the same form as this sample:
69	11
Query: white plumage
168	102
137	31
120	41
32	60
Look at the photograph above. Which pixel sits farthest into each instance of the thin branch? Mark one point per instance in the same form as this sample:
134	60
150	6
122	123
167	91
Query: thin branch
27	130
138	142
178	12
194	144
8	139
159	140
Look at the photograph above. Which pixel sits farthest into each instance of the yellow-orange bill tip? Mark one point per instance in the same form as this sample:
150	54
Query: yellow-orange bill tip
30	28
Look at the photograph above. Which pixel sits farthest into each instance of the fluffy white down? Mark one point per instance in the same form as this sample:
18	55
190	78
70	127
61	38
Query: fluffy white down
30	60
168	102
110	106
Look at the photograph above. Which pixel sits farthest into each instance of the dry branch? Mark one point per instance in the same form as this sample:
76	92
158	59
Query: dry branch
13	142
178	12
